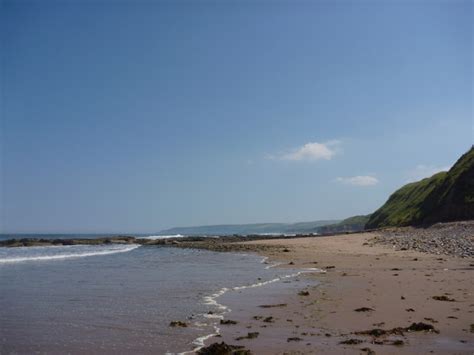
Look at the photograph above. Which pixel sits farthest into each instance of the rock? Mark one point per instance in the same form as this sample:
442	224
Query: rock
443	298
293	339
351	341
251	335
419	327
273	305
227	321
303	293
414	327
364	309
376	332
223	349
178	323
398	342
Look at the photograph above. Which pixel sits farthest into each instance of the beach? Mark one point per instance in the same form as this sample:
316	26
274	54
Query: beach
371	296
402	290
233	177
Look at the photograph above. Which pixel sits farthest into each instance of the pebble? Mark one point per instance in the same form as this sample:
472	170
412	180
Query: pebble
454	239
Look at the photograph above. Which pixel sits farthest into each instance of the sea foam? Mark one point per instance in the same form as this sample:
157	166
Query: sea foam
50	253
155	237
211	300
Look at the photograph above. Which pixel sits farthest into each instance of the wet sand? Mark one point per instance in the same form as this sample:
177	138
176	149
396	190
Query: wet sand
396	287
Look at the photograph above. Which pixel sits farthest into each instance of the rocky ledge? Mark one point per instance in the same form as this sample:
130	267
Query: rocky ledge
39	242
222	243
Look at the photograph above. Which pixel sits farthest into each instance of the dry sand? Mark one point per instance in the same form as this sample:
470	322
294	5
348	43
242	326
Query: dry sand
397	285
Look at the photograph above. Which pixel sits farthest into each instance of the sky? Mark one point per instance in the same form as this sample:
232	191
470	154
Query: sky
135	116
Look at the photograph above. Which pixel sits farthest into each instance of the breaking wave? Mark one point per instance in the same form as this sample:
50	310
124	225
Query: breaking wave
155	237
49	253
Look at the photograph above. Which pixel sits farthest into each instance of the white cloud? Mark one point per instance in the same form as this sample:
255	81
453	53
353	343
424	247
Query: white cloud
423	171
360	180
311	151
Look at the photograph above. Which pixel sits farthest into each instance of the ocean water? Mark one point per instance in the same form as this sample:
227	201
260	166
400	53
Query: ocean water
119	298
55	236
84	236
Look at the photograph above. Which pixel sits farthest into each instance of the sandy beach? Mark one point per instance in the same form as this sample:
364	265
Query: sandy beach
369	296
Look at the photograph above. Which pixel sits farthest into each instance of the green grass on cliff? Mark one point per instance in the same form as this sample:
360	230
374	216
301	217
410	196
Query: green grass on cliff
446	196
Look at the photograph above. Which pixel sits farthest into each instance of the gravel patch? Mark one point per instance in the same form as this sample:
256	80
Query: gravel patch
455	239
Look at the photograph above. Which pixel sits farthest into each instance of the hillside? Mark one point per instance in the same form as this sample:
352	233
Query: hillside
351	224
246	229
446	196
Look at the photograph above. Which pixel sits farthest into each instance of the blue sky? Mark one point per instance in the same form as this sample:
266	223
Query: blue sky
133	116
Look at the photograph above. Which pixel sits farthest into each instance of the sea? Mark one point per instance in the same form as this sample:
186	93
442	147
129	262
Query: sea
121	298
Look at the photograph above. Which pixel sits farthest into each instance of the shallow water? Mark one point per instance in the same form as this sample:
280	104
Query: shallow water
113	299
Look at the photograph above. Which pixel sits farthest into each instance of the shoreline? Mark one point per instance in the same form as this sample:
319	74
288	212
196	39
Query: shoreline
231	291
392	289
379	293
